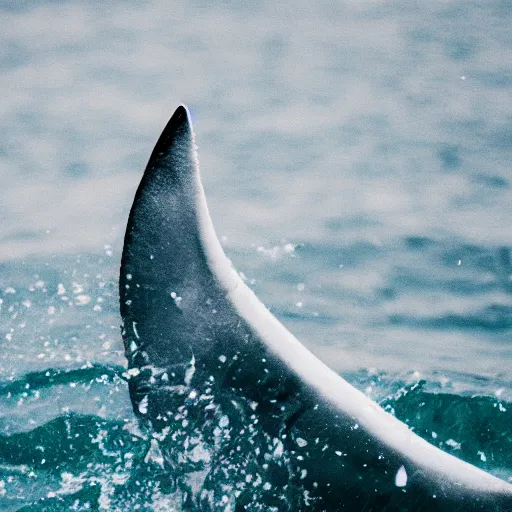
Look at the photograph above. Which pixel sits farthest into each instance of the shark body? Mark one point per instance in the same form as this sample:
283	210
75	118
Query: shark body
245	416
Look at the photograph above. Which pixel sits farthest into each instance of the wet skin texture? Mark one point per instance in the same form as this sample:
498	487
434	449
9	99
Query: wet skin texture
202	357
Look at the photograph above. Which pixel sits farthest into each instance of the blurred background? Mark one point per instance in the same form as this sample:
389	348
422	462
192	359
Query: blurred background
356	157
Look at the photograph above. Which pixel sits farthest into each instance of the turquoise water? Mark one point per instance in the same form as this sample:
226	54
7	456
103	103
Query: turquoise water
356	160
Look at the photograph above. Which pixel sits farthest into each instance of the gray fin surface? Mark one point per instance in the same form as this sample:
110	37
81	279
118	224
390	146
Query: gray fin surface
217	370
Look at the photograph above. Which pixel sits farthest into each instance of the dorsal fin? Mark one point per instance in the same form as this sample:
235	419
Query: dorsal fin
166	277
186	310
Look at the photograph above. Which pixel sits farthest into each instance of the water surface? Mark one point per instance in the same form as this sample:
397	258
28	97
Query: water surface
356	159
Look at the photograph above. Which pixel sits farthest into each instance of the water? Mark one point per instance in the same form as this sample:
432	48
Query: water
356	159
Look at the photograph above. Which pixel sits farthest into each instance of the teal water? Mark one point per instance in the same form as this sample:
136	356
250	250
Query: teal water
70	441
356	159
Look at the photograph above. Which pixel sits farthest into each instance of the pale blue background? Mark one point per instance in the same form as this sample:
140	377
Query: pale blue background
374	136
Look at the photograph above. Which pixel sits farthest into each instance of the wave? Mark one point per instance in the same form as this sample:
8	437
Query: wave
87	462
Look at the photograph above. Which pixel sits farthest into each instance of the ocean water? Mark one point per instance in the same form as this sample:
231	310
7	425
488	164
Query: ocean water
356	159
